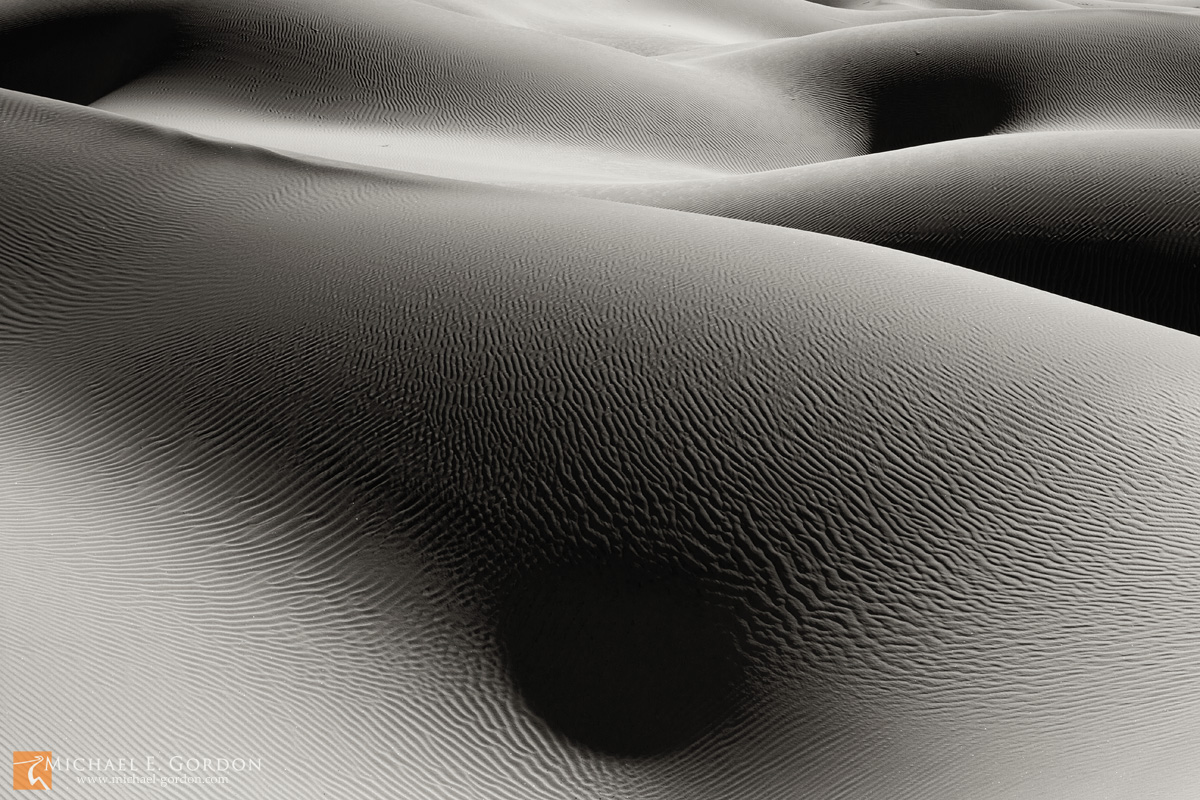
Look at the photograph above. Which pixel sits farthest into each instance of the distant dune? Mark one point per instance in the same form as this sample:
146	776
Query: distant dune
634	399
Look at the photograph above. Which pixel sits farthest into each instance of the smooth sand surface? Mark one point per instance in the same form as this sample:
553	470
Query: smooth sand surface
488	400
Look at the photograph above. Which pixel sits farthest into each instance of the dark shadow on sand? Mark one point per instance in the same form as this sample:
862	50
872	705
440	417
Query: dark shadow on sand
83	57
622	661
911	110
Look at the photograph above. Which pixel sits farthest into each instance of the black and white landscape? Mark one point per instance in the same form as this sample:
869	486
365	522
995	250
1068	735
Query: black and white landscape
615	399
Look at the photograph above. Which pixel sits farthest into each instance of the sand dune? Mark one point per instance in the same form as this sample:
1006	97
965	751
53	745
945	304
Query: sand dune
1108	217
491	400
924	81
440	93
426	85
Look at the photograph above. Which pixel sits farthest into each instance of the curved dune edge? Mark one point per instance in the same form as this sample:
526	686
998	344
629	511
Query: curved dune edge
1110	218
532	107
527	104
417	88
286	422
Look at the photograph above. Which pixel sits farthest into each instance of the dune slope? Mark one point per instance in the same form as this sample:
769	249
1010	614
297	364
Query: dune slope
1107	217
353	453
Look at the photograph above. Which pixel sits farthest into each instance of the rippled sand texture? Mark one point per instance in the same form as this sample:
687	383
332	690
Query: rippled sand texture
489	399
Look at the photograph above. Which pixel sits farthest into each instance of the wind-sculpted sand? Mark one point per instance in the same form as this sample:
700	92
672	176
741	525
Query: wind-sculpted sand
553	399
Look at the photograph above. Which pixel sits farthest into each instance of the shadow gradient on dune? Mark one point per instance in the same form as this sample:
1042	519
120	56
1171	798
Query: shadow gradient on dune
912	110
81	58
1156	283
621	660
